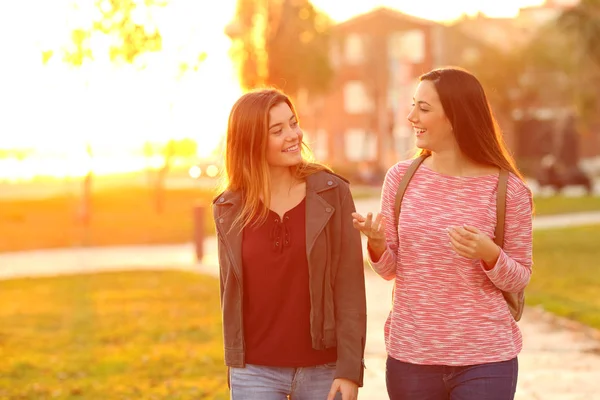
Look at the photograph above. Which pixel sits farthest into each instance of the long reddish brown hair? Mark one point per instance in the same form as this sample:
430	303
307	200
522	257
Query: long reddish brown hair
467	108
246	168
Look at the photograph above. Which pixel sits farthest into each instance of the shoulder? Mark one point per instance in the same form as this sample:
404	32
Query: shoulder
396	172
518	194
400	167
222	197
516	187
328	184
329	176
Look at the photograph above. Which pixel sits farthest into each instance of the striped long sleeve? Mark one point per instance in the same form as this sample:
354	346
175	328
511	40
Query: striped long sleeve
447	309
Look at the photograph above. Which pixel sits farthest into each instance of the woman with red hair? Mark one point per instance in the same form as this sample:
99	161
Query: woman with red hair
291	266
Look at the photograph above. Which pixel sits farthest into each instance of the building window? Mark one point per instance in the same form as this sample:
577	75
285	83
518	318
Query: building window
408	46
360	145
354	49
356	99
321	145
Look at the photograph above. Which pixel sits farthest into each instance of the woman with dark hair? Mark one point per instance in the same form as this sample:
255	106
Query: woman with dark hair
291	265
452	331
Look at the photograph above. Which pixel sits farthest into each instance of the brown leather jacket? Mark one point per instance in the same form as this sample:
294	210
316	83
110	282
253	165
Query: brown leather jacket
336	273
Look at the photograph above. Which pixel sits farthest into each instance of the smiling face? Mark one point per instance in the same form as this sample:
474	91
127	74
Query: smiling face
285	137
432	128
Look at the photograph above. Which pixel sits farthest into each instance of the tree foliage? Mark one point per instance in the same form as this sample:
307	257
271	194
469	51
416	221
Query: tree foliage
128	23
282	43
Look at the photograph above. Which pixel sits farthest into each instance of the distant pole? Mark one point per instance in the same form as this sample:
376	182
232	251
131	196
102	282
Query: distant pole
86	200
199	213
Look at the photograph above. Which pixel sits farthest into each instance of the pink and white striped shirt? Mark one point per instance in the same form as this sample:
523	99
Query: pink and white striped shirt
447	309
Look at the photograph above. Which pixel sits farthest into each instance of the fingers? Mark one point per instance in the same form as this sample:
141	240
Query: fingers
373	228
334	389
382	224
464	243
369	221
463	233
377	222
461	249
471	229
358	221
358	217
456	236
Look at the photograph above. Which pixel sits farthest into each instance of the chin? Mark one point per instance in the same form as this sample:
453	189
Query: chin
295	161
288	162
421	144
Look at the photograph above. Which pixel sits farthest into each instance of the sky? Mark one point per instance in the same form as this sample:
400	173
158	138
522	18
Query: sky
58	109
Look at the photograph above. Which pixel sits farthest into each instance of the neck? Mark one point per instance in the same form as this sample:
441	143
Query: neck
450	162
281	179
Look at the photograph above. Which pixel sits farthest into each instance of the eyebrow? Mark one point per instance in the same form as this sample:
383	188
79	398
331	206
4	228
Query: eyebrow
278	124
422	102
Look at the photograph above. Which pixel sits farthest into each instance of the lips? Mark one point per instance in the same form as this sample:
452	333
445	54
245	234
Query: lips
292	149
419	131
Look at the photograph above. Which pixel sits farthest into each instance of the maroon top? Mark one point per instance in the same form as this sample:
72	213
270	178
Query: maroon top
276	293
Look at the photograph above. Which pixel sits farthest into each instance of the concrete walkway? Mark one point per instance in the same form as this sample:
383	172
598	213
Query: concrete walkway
560	360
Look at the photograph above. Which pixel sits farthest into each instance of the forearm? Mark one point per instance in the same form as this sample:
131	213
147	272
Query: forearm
508	274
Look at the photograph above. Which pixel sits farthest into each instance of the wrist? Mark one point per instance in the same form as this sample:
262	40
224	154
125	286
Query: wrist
376	248
377	245
491	259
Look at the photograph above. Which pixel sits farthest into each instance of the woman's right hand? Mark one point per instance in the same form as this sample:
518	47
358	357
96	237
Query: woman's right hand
374	230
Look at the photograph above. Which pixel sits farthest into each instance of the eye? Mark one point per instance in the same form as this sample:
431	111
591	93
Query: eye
277	132
294	124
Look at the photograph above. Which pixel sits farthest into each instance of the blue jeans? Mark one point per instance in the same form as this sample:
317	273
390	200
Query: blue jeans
493	381
257	382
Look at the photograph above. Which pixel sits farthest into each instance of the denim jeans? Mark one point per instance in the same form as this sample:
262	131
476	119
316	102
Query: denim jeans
493	381
256	382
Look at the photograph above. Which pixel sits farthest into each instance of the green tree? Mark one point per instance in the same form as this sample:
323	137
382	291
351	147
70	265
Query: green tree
581	24
281	43
582	21
128	22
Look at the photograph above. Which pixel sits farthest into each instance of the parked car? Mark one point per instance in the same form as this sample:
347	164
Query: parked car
557	176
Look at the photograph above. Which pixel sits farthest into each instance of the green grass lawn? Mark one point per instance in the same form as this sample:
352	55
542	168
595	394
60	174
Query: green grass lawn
566	273
128	335
563	205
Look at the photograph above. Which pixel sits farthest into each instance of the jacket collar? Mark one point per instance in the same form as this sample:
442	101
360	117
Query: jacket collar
318	213
315	183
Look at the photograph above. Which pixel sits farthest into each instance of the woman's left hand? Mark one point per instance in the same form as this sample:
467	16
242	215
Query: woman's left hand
469	242
347	388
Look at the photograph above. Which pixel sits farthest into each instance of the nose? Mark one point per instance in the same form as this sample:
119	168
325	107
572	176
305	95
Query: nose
412	116
293	135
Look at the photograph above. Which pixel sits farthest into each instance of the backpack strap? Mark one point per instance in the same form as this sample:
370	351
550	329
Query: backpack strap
501	207
412	168
515	301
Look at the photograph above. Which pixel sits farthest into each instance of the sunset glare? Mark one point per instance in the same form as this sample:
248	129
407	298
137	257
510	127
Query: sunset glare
55	111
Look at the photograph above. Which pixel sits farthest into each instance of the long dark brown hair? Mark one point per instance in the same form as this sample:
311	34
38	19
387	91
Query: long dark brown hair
467	108
246	165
